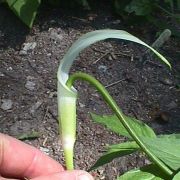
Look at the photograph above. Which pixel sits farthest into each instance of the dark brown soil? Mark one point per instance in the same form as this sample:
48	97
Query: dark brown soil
148	91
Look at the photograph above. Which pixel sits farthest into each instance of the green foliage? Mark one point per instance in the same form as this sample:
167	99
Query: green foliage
177	176
69	3
149	172
137	11
115	151
178	4
145	7
133	11
165	147
139	7
113	123
170	136
26	10
84	3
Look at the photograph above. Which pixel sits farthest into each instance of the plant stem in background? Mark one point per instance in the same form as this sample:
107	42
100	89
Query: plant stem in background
107	97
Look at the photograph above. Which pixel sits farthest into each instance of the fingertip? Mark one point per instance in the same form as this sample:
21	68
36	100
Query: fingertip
75	175
82	175
67	175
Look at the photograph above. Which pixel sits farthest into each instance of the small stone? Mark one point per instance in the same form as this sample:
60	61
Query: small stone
9	68
90	18
100	171
55	36
166	81
22	52
35	107
102	177
53	111
146	161
110	58
30	85
172	105
6	104
53	94
81	105
45	150
1	74
27	47
52	21
118	21
49	54
102	68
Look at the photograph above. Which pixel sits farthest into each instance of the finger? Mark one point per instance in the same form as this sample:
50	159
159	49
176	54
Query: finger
18	159
67	175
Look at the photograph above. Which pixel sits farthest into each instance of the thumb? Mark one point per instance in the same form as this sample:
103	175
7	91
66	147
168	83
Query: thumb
67	175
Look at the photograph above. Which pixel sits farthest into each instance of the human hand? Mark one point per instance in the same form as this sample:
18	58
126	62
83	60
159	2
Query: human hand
20	161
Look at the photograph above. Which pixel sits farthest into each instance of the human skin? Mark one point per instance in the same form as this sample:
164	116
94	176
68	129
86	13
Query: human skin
19	160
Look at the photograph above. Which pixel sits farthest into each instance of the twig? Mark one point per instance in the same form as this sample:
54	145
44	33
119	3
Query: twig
33	68
80	19
114	83
45	114
153	63
100	57
10	75
44	142
53	116
112	54
99	51
123	54
109	52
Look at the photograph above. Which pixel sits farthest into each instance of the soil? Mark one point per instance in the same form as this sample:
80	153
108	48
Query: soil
147	90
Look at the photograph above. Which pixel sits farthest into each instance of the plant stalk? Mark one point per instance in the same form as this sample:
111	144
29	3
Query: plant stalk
107	97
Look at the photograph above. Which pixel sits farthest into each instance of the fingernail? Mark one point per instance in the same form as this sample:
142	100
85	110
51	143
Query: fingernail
84	177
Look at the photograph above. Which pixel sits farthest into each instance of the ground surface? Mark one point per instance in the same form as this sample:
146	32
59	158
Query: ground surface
28	83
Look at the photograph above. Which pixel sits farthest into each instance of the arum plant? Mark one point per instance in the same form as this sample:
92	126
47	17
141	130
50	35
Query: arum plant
67	96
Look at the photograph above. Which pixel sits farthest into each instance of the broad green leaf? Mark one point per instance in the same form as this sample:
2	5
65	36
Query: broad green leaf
178	4
113	123
166	149
149	172
84	3
171	4
115	151
139	7
26	10
120	5
169	136
177	176
129	144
